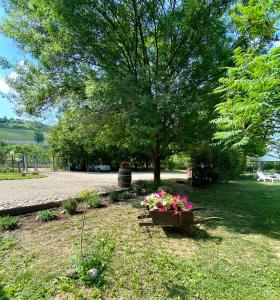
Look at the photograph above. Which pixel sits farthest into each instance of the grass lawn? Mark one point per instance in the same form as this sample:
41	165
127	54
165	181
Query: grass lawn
18	176
237	258
16	134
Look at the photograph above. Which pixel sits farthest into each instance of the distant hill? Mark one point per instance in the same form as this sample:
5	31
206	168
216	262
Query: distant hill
17	131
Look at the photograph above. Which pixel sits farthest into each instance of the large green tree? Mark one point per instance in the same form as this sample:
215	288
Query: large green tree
250	114
142	70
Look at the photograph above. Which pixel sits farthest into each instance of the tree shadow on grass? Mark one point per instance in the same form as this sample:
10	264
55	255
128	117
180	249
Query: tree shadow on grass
197	234
246	206
2	294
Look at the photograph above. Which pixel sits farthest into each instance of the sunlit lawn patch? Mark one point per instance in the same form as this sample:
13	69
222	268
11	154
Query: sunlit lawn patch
19	176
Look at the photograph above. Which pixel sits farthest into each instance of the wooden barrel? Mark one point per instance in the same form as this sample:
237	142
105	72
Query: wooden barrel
124	178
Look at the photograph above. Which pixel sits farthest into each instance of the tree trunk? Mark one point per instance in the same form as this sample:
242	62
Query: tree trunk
53	163
68	164
156	161
13	167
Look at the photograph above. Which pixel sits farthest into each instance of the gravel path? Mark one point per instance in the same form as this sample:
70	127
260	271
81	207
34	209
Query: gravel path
60	185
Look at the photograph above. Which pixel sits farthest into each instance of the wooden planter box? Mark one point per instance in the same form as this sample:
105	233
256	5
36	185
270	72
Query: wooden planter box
184	221
167	218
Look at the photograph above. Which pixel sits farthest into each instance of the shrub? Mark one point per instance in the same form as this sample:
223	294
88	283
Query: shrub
114	196
23	174
126	195
137	186
92	198
6	170
34	173
70	205
45	215
8	222
211	164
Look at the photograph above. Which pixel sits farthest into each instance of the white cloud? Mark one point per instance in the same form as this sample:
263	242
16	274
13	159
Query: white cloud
14	75
4	87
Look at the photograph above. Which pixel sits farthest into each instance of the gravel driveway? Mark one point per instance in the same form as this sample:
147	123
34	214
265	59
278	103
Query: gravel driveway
60	185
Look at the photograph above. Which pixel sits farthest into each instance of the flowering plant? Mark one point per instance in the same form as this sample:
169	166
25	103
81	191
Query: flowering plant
164	201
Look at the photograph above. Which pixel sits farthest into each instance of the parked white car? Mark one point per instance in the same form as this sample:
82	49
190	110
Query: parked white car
100	168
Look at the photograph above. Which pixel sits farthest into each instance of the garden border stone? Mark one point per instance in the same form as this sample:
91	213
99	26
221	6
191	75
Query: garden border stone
21	210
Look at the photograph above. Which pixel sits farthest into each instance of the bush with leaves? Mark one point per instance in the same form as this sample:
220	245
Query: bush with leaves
70	205
114	196
138	186
9	223
92	198
45	215
126	195
212	164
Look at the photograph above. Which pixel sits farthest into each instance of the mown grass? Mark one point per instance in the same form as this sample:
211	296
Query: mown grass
238	258
18	176
16	134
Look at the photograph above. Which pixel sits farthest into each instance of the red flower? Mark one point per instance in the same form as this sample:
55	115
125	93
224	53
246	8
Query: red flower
159	204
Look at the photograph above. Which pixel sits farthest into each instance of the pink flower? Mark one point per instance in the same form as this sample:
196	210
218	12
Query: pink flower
159	204
176	212
174	206
184	198
188	206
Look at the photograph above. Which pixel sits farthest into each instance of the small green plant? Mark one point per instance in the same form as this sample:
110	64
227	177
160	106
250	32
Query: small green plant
114	196
6	243
34	173
45	215
98	255
126	195
70	205
23	174
92	198
8	222
137	186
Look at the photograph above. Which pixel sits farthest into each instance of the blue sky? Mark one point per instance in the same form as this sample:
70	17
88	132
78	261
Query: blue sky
9	50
